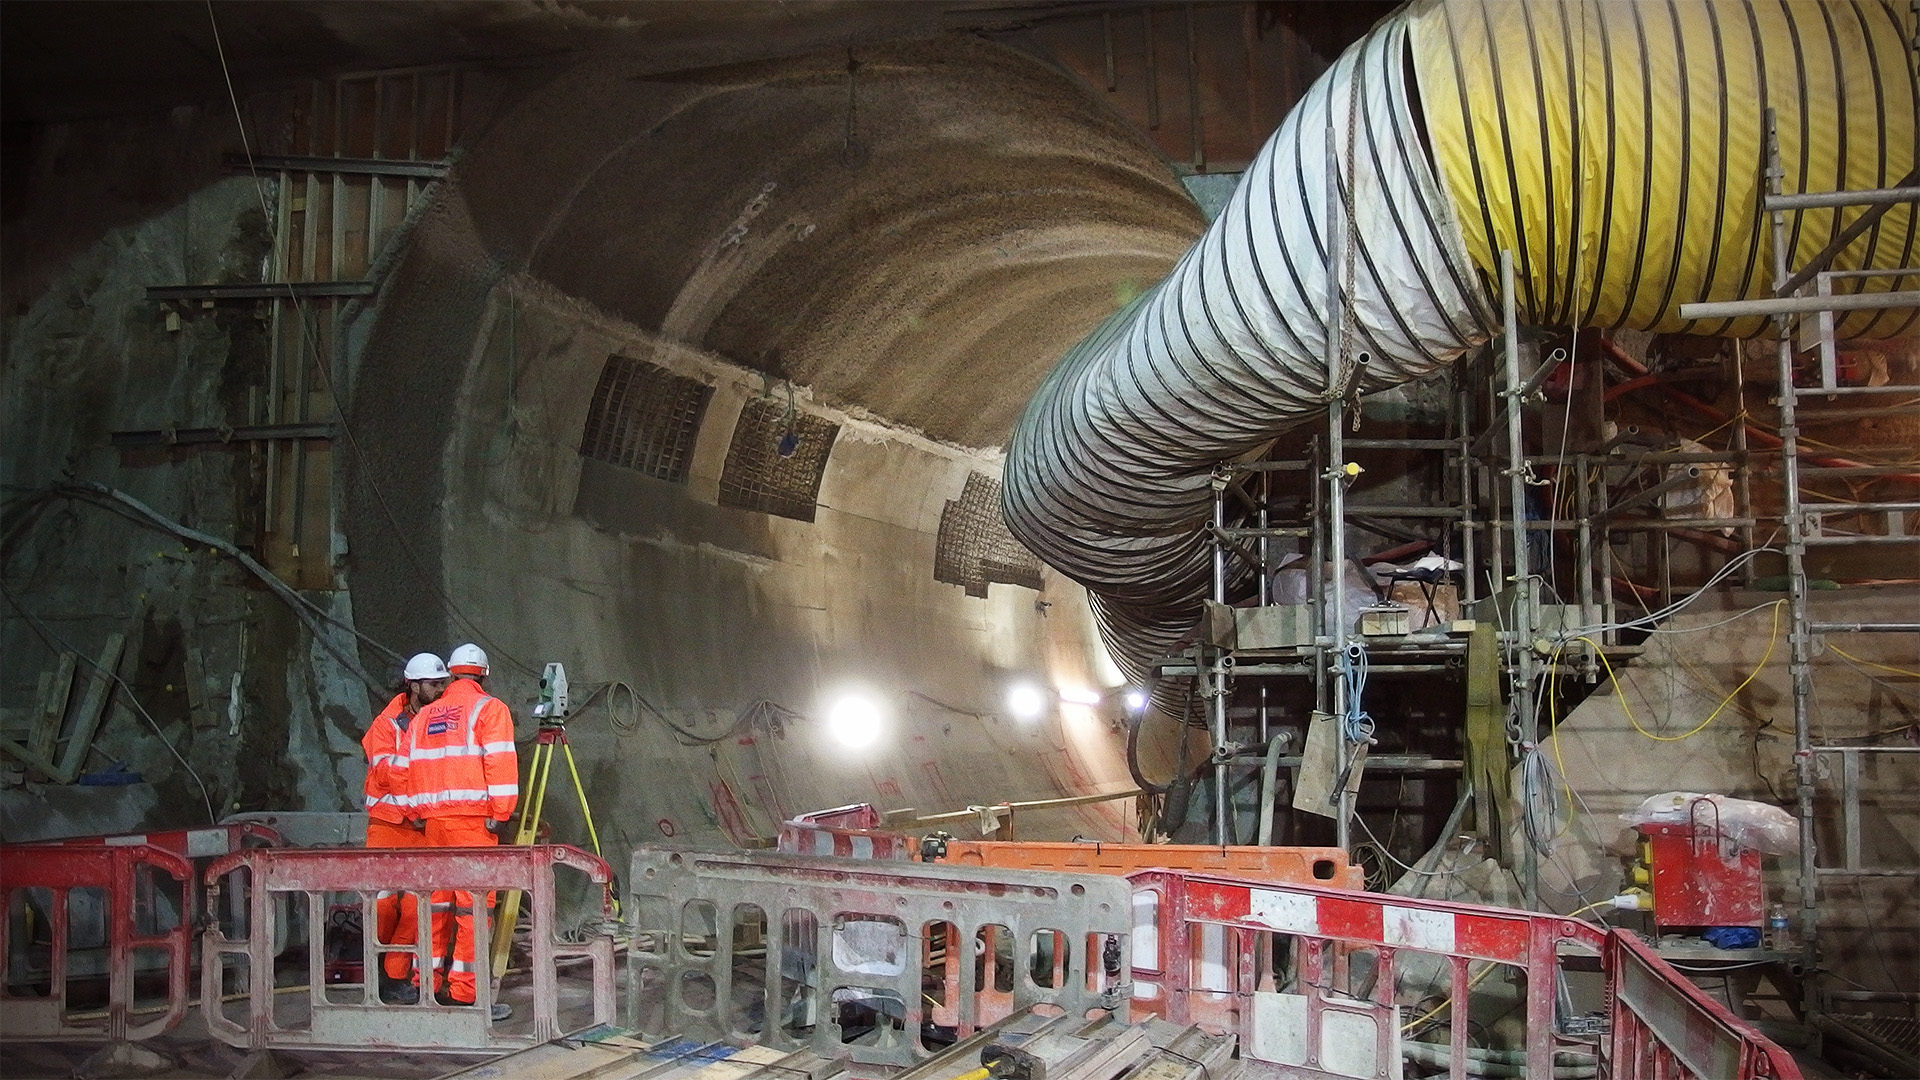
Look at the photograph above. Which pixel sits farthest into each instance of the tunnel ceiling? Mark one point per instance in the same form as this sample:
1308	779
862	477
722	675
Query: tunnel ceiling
926	255
66	60
912	208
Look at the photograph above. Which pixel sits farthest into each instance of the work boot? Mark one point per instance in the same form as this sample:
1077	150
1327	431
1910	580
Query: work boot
398	991
501	1010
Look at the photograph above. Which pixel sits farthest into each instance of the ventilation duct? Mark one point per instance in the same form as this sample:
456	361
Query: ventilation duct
1616	149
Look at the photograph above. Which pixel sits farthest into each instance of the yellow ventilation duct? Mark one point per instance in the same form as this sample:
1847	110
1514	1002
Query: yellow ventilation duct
1616	148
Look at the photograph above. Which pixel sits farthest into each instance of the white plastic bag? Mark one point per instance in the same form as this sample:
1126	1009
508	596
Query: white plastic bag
1763	827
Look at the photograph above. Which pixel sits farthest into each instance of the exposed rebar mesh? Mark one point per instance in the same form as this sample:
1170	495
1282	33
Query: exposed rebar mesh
644	417
975	549
756	475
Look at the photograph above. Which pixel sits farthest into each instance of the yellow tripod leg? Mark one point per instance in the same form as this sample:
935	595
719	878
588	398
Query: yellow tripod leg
586	812
580	791
507	914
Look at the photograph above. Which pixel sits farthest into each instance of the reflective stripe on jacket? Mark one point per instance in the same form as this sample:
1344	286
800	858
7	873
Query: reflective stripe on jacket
386	743
460	756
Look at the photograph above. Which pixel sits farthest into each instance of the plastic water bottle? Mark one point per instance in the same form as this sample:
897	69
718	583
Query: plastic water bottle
1779	931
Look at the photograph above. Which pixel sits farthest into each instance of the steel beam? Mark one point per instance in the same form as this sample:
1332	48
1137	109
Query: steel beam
250	433
428	170
261	290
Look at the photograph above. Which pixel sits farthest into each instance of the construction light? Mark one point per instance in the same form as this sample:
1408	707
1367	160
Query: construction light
854	721
1026	702
1136	700
1078	695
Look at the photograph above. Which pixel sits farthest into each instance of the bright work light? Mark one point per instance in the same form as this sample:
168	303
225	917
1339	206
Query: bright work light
854	721
1026	701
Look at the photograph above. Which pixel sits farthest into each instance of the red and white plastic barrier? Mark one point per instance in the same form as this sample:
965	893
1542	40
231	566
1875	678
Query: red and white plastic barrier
1207	950
124	874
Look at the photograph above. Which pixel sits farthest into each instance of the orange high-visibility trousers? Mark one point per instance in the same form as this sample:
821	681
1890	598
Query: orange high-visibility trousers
453	911
395	913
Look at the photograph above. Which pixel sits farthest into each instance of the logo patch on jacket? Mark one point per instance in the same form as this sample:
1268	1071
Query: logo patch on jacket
439	727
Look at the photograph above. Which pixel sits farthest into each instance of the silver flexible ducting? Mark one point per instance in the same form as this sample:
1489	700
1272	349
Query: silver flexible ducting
1344	239
1107	477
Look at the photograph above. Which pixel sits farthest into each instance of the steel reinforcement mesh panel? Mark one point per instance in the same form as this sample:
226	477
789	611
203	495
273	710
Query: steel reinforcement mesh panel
758	477
644	417
975	549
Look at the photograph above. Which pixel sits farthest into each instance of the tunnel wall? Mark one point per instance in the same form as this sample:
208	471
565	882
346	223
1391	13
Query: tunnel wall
738	628
220	678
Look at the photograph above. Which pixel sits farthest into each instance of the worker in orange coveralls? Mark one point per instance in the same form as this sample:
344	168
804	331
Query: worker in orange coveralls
463	779
390	819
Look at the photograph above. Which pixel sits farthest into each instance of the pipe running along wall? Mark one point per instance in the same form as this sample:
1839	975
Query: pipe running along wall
1616	149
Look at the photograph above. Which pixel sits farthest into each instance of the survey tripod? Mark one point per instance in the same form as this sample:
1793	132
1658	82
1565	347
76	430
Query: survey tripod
552	714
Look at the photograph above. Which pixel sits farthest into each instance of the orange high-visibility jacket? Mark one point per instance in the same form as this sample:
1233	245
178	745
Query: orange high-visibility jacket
460	756
385	742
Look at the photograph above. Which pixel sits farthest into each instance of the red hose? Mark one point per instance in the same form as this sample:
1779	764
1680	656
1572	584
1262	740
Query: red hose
1756	436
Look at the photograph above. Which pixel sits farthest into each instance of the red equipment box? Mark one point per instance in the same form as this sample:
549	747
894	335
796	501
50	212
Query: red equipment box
1702	877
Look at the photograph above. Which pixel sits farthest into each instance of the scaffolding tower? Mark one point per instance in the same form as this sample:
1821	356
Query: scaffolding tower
1483	519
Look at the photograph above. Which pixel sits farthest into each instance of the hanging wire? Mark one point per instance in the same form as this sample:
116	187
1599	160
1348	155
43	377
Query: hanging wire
1358	723
304	317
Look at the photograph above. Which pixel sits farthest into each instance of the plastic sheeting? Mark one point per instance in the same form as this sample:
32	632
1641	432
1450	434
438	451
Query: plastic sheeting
1622	160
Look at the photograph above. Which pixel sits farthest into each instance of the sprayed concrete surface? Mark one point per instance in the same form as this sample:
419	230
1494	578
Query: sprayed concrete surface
906	246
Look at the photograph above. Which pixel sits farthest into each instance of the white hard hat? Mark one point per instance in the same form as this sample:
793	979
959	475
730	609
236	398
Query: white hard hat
426	666
467	660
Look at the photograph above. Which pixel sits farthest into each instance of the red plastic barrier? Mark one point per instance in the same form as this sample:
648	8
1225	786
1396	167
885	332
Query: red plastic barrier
1207	949
116	870
351	1017
1665	1026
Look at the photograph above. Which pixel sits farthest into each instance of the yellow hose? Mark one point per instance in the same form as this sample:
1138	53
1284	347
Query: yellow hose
1618	149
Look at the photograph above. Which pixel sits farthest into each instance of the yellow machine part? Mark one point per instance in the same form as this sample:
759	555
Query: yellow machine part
1619	149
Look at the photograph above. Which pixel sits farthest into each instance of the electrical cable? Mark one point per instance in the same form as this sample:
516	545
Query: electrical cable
1437	1009
1712	625
1869	663
1352	660
1382	848
53	639
306	610
625	726
1620	692
1715	969
1677	606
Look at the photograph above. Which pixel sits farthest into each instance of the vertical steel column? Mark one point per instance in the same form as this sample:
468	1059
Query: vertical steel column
1265	591
1469	528
1584	509
1316	575
1799	633
1523	604
1339	384
1743	461
1339	620
1216	667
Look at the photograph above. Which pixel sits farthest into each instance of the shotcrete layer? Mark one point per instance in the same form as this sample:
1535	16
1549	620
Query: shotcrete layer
916	238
